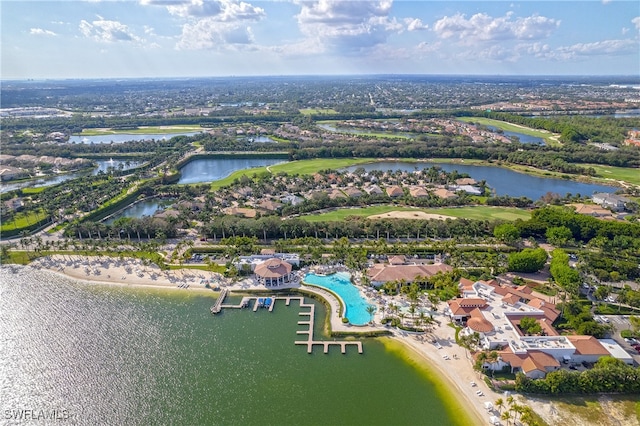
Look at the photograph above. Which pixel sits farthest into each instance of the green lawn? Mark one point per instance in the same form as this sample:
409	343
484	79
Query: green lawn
471	212
627	174
236	175
150	130
549	138
22	220
317	111
305	167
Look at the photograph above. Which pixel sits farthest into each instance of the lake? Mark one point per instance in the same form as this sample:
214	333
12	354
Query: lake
356	131
126	356
103	165
212	169
503	181
140	209
125	137
521	136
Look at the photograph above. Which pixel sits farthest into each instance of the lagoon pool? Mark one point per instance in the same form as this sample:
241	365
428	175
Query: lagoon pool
340	283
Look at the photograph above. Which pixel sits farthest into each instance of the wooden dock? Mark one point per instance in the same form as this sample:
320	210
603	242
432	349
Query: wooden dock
217	307
309	342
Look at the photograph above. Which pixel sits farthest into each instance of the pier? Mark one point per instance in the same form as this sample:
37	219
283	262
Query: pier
310	343
217	307
269	303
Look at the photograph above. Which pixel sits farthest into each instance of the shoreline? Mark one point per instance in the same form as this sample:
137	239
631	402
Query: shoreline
422	355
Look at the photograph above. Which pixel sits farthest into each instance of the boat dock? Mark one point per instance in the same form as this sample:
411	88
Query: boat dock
269	303
310	343
217	307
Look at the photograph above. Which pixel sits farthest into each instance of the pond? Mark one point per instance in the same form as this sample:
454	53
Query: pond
521	136
125	137
103	165
140	209
356	131
212	169
501	180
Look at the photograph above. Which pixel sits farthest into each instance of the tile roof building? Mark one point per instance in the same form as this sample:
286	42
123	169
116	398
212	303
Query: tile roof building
495	312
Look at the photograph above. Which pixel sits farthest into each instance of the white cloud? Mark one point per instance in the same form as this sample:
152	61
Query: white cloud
414	24
636	22
40	31
213	24
599	48
348	26
107	31
211	34
222	10
482	27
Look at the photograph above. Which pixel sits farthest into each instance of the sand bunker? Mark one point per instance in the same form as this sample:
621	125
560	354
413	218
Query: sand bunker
410	215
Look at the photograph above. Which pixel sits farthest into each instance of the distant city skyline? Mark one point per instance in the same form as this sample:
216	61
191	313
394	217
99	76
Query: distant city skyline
201	38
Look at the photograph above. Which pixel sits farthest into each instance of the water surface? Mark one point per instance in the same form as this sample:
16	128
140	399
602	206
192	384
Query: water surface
212	169
125	137
502	180
115	355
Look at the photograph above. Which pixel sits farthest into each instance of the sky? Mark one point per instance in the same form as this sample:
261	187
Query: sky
211	38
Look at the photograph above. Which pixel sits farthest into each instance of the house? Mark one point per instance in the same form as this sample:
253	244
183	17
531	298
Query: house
294	200
592	210
444	193
610	201
9	173
533	364
418	192
373	190
394	191
240	211
269	205
466	181
273	272
468	189
352	192
335	193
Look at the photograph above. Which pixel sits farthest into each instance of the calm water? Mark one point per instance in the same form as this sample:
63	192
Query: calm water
37	183
111	355
212	169
503	181
340	283
143	208
124	137
521	136
103	165
355	131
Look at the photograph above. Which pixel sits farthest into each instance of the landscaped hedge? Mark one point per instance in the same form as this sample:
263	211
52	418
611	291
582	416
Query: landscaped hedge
608	376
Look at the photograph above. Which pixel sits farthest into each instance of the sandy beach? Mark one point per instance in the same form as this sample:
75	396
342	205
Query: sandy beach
455	370
444	358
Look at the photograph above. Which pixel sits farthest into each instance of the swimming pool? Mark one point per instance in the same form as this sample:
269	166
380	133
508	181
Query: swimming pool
340	283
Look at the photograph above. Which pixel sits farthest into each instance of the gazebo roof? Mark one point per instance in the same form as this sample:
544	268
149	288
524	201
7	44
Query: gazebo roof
273	268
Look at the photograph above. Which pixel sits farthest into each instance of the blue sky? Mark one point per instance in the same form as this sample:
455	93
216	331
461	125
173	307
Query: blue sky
184	38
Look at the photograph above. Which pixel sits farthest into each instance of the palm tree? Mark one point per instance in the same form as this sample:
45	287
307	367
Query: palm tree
402	315
506	416
371	310
499	404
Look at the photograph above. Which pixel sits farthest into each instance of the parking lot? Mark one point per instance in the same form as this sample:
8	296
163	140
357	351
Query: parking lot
620	322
